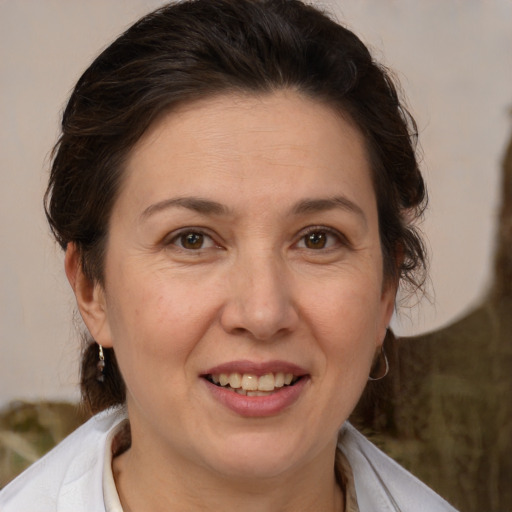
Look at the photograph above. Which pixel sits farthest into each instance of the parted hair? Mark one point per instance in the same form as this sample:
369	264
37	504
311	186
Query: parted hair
196	49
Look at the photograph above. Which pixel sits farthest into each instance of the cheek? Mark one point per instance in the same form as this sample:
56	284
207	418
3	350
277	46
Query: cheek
345	334
157	318
346	311
346	326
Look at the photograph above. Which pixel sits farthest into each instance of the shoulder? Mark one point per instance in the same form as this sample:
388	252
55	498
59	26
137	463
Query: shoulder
382	484
69	477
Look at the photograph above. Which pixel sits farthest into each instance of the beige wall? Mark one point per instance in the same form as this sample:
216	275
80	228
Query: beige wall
454	60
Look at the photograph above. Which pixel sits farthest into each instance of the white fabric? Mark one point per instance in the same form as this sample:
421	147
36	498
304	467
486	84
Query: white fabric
110	495
382	484
71	478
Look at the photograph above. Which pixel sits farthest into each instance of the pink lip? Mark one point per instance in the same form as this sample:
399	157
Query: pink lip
254	368
258	406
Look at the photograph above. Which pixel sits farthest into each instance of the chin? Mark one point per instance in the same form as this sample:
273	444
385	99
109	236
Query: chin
259	456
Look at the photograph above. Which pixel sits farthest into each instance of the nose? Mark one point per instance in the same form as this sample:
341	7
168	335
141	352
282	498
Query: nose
259	300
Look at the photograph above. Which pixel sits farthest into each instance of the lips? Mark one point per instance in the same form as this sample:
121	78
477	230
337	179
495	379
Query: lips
256	389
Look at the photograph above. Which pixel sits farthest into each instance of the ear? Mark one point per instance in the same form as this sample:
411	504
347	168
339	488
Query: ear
90	297
388	298
389	290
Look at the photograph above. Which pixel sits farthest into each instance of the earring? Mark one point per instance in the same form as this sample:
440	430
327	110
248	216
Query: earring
382	363
100	367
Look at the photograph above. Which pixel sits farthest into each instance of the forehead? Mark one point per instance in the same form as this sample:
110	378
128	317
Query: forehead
248	145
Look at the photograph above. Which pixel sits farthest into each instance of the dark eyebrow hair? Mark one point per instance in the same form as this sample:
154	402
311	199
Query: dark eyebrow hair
209	207
319	205
196	204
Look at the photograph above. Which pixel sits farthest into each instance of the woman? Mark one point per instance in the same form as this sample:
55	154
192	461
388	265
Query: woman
234	187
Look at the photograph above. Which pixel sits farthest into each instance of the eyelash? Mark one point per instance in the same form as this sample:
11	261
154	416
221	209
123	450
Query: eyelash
176	238
340	239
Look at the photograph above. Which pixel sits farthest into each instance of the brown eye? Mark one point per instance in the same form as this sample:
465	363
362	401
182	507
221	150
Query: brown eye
321	238
315	240
191	241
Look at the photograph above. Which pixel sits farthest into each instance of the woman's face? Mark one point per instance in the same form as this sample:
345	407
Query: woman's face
244	250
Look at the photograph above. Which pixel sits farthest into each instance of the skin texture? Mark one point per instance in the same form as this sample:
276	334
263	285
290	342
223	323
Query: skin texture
255	290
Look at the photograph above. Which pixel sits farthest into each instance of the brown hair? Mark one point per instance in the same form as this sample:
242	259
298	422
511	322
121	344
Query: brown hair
194	49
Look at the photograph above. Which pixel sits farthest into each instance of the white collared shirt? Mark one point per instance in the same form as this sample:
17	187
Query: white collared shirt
76	476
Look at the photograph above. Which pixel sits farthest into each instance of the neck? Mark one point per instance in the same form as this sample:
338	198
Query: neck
149	480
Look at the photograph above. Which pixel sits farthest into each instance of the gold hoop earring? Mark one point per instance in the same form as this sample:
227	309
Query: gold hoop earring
378	367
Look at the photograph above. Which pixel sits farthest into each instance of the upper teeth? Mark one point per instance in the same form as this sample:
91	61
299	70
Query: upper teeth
251	382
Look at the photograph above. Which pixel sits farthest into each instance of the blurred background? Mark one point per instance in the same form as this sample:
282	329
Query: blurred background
454	61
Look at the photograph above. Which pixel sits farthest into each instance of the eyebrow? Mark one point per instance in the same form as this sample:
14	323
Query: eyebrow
209	207
197	204
321	205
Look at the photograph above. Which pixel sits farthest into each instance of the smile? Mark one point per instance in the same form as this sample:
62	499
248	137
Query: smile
248	384
256	389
